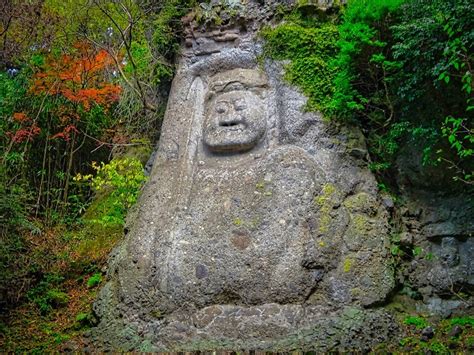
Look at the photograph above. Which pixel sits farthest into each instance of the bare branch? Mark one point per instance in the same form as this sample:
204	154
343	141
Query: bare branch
127	43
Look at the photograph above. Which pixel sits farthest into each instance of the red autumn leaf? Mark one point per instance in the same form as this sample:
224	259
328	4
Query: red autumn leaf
25	134
79	77
65	133
20	117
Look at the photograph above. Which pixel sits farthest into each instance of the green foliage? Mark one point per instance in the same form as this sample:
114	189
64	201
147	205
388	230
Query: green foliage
434	347
401	70
364	61
143	58
122	180
417	251
14	197
470	342
12	89
404	75
459	136
149	63
48	135
433	42
84	320
310	44
462	321
46	295
438	348
442	342
166	26
94	280
418	322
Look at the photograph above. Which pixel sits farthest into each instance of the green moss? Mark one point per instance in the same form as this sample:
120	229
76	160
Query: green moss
324	222
102	227
215	13
361	223
325	202
347	265
157	314
462	321
327	191
103	205
356	292
250	224
310	45
264	188
357	202
166	26
84	320
57	298
304	2
141	151
418	322
237	222
470	342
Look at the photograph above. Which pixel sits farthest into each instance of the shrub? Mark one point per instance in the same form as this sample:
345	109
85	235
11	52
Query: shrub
121	180
46	295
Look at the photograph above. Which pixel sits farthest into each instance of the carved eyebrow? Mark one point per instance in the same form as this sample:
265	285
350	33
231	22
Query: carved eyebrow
231	86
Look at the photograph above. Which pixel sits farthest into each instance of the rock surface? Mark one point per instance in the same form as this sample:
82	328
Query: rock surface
258	228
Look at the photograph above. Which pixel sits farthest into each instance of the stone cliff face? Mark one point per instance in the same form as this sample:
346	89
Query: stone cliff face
439	221
260	227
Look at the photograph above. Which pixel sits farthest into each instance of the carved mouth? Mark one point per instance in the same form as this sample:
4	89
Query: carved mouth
229	124
233	125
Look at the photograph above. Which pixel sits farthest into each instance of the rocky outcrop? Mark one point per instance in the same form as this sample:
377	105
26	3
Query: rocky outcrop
437	223
261	227
257	229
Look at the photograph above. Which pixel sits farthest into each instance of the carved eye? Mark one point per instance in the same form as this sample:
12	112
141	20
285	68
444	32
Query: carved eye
221	107
240	105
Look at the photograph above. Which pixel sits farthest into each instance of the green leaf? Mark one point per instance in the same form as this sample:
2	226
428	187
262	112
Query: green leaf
395	250
417	251
94	280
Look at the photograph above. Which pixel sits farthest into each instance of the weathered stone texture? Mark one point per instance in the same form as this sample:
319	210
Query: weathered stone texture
257	229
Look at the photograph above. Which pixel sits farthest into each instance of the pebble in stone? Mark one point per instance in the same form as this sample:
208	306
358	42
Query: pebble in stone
455	331
427	334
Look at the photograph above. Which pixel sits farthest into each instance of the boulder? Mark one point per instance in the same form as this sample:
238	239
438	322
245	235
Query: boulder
256	229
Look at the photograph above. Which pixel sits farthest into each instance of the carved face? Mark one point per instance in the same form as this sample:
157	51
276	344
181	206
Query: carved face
235	122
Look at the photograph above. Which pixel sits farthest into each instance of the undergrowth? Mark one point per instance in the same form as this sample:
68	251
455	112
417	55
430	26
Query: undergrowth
65	266
454	335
